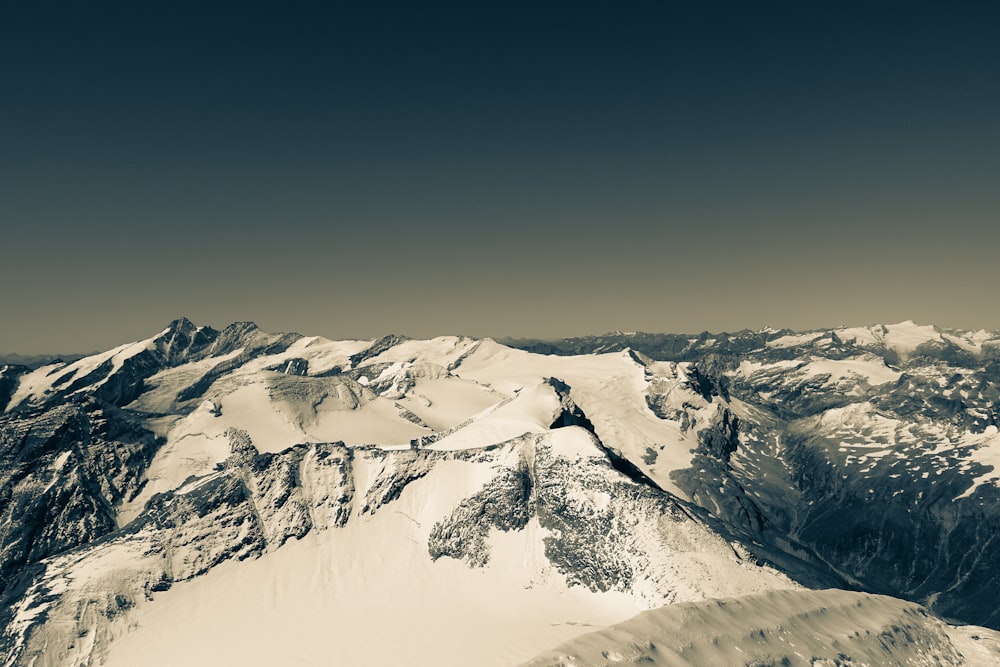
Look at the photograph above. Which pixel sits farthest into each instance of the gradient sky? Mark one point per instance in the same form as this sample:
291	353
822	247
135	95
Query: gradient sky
531	169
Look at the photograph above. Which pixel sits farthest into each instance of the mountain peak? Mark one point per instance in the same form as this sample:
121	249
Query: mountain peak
181	325
241	328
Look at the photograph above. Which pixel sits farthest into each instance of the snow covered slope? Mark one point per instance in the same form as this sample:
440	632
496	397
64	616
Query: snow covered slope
235	496
793	628
511	547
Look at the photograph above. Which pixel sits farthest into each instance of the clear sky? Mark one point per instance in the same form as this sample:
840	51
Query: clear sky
495	168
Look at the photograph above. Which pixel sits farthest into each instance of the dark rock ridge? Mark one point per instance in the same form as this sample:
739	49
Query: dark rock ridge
378	347
62	472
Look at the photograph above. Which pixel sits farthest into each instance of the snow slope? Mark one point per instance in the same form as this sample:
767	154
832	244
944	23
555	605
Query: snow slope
36	384
368	594
793	628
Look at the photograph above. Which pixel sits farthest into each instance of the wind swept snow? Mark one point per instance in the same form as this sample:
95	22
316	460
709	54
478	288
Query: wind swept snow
794	628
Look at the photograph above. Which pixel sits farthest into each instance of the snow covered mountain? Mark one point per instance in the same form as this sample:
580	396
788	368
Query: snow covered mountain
240	497
874	451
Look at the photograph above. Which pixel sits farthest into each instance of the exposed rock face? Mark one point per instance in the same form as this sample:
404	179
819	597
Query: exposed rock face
184	341
722	439
62	471
294	366
506	504
881	495
899	534
9	375
595	517
378	347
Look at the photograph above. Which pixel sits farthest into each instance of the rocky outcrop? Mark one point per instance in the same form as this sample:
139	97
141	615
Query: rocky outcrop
9	377
184	341
505	504
63	472
378	347
293	366
898	534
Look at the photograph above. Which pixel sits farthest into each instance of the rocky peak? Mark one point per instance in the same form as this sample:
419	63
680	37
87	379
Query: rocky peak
184	341
181	325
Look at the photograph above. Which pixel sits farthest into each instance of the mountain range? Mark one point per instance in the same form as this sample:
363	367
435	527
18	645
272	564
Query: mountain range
235	496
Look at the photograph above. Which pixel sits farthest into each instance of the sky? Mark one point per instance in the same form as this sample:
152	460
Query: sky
535	169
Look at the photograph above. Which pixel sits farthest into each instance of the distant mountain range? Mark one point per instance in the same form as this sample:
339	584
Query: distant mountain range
36	360
235	496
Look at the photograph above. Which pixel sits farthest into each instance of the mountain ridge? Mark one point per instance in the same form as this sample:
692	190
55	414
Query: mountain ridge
858	458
